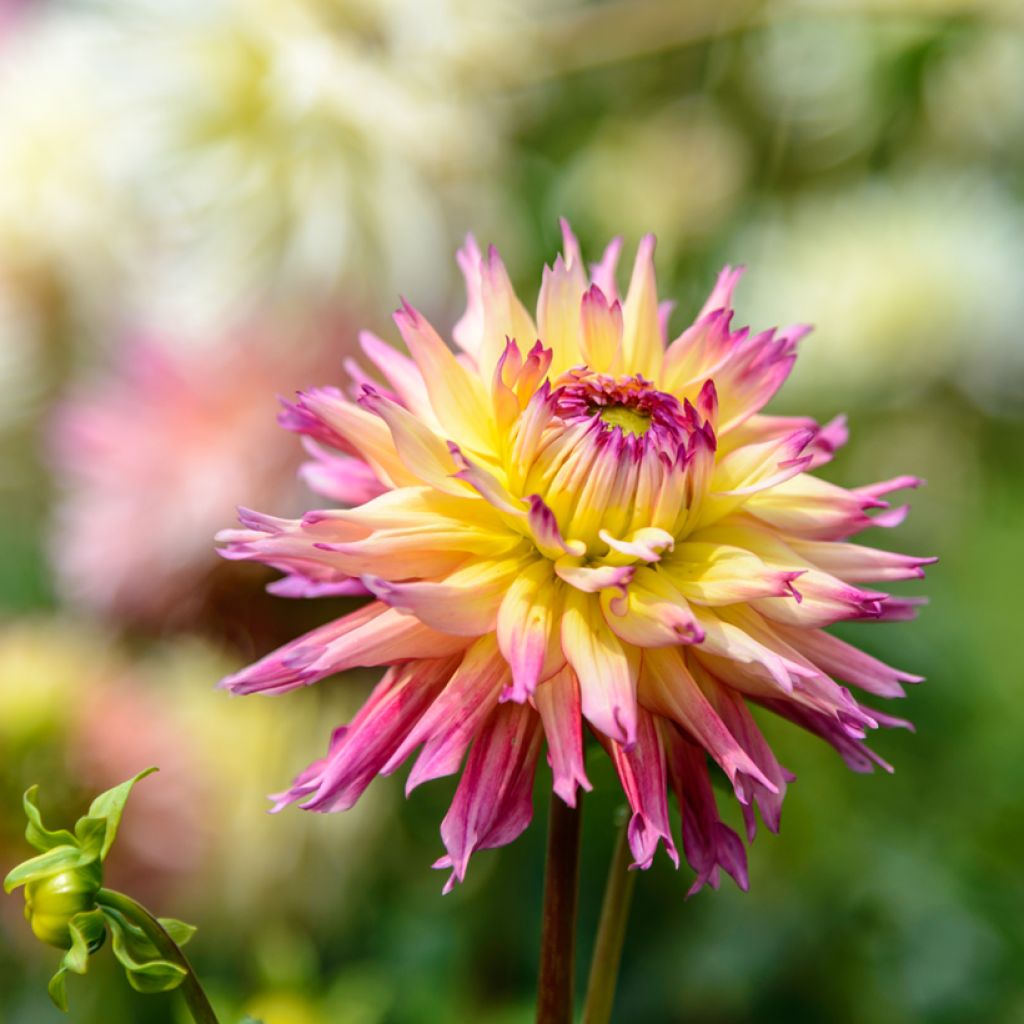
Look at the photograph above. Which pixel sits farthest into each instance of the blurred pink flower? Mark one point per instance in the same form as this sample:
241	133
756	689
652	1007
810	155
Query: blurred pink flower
597	527
153	455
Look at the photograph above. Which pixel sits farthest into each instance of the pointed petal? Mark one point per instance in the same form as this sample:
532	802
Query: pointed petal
668	688
464	604
425	454
558	313
360	750
601	339
558	701
374	635
641	335
457	396
643	775
451	722
607	671
527	628
707	842
493	804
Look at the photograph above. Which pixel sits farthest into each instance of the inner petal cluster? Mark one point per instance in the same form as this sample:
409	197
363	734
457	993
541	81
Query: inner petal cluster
611	456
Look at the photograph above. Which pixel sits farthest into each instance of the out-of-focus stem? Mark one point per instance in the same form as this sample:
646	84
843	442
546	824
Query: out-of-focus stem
558	929
191	991
611	933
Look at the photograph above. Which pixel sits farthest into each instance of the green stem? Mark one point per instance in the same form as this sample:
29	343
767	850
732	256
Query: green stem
558	931
192	992
611	933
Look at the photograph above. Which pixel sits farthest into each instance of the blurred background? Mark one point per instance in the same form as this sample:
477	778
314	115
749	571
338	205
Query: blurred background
201	201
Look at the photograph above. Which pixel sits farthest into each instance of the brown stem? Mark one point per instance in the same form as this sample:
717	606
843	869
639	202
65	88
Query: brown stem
558	930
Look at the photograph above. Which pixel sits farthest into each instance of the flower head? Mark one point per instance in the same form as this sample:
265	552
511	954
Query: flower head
575	523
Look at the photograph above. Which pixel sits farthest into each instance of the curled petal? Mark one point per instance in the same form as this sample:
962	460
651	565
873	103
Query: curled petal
648	543
592	579
650	612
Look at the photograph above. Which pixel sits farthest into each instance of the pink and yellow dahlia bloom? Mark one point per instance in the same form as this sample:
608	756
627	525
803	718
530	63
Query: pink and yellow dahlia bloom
576	525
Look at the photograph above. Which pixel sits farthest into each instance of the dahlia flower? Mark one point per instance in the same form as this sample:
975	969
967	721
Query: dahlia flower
576	523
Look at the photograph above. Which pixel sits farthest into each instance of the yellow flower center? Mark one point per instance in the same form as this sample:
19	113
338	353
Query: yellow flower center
632	421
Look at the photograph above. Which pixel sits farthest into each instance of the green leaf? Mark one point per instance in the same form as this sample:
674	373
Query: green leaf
179	931
147	971
156	976
91	836
53	862
76	959
37	834
58	989
109	807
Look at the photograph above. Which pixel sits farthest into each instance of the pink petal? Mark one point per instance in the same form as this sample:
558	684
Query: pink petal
558	701
493	804
644	781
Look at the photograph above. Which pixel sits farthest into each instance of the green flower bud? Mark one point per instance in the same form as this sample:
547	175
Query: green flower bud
65	899
51	903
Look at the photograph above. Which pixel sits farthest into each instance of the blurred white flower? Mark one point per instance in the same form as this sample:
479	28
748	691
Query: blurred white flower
906	282
974	95
816	81
300	144
63	216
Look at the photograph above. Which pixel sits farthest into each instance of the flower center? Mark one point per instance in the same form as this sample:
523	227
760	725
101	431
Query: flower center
631	421
641	412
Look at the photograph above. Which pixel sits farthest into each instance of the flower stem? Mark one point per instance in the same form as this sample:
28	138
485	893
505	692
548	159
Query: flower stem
558	931
611	933
192	992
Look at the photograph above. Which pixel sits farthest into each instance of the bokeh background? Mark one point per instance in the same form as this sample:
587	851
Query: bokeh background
201	201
